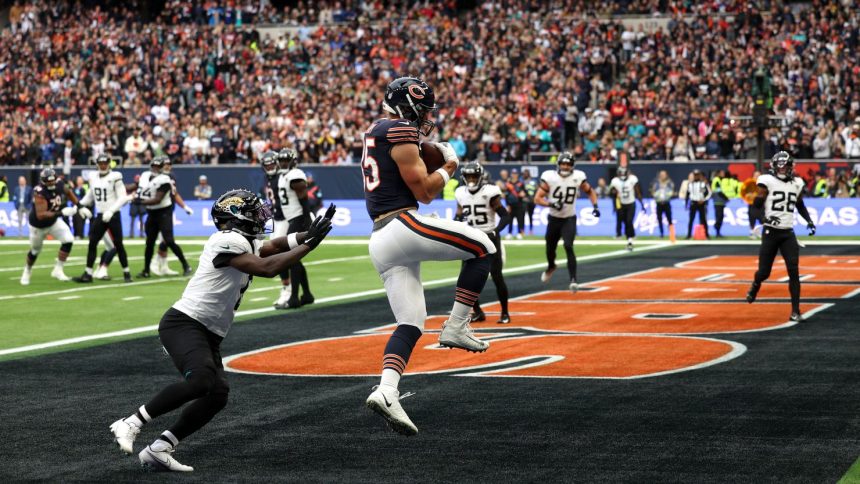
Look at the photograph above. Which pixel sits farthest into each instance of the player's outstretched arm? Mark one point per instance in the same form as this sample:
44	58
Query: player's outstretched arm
414	172
801	209
502	212
280	245
592	195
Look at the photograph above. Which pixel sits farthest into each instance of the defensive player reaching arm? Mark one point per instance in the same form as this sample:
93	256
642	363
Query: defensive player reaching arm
192	330
779	192
478	204
395	180
558	190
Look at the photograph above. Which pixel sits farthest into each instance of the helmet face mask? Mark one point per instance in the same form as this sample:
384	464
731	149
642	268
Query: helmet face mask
287	159
242	212
782	165
412	99
472	175
157	163
48	177
565	164
623	172
103	163
269	162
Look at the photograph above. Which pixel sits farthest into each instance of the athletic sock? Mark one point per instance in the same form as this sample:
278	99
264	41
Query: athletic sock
60	263
88	270
397	352
31	258
165	441
139	418
473	276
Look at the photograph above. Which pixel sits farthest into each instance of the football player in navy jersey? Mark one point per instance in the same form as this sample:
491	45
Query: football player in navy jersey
395	180
45	219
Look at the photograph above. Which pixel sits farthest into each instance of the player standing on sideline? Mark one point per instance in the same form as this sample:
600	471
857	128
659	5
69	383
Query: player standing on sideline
159	265
478	204
625	189
779	192
663	189
270	165
192	330
395	179
107	194
698	194
45	220
293	195
154	191
561	185
530	185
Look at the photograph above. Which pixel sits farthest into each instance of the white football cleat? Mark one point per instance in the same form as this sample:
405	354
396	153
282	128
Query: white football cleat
160	460
519	236
546	275
58	274
101	273
124	434
460	335
155	269
25	276
283	300
385	401
573	286
165	269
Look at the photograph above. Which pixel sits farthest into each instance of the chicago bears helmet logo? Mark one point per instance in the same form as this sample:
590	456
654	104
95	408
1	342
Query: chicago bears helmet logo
416	91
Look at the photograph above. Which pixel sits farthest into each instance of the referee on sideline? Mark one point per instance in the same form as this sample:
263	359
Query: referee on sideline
698	194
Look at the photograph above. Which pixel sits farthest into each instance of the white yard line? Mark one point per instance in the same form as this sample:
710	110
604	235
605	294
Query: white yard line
81	261
132	298
341	297
113	286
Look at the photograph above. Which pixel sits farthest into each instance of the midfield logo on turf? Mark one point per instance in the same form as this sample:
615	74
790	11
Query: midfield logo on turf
648	324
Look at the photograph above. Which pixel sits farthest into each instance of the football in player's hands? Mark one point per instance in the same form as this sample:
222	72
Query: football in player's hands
448	152
432	156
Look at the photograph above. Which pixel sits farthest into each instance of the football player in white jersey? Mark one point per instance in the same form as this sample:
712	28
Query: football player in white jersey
271	167
478	204
625	188
154	191
159	265
293	194
779	193
107	194
192	330
558	190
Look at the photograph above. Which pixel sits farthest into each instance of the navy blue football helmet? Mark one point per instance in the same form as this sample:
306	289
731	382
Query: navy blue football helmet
412	99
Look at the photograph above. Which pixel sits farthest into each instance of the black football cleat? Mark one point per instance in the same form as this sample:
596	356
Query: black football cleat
294	303
85	278
307	298
504	319
143	275
753	292
796	317
479	316
187	271
126	276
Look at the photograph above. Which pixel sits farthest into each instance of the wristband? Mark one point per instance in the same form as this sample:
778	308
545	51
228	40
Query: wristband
594	205
292	242
445	175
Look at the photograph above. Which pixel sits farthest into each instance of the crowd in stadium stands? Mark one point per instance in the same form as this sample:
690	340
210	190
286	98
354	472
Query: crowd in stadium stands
198	82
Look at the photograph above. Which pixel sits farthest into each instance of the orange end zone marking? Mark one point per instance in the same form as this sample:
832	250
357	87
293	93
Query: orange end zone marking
639	290
570	356
619	317
749	262
746	274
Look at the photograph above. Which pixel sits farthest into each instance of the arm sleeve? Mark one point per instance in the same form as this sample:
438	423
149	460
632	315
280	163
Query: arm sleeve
504	218
801	209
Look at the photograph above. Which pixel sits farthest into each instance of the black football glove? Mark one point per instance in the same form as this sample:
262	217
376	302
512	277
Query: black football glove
811	228
319	228
596	212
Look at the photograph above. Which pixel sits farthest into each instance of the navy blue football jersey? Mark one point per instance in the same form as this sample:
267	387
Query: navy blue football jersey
384	188
274	195
56	202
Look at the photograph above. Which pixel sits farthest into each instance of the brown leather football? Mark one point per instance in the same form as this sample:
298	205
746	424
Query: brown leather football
432	157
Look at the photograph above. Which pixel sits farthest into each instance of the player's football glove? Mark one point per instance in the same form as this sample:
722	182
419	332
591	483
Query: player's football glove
596	212
448	153
811	228
85	213
556	205
319	228
188	210
69	211
107	215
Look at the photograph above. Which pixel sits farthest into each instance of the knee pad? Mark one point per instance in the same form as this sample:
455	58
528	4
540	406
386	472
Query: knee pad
66	247
202	380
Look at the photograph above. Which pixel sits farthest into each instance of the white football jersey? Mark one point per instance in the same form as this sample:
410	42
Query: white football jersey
213	294
563	191
290	204
148	186
781	199
106	192
477	210
625	188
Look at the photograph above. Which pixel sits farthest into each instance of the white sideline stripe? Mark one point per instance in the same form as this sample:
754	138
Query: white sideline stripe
132	298
81	261
154	327
68	298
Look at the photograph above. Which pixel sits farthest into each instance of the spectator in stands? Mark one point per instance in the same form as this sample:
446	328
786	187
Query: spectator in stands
851	140
203	190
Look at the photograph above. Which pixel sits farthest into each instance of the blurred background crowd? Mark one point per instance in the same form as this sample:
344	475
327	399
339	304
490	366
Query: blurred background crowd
197	80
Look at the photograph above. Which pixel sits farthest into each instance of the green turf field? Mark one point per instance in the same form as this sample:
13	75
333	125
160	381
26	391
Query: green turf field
49	310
